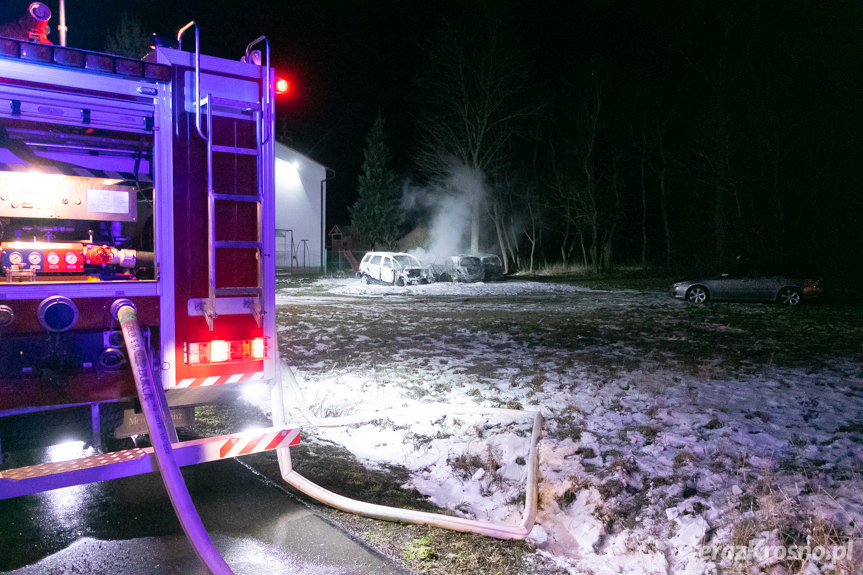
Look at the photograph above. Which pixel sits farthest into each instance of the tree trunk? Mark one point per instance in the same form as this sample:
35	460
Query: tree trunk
719	225
663	206
663	200
643	220
500	244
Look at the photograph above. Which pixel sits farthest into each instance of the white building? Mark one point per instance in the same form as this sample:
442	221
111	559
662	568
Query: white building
301	194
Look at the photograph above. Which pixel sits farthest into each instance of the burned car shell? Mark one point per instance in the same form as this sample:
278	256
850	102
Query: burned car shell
492	267
461	268
393	268
785	290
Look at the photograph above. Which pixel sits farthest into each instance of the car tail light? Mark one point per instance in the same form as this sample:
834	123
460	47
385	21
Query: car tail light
224	351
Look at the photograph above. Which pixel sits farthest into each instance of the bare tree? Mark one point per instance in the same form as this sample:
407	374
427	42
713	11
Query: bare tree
663	192
584	183
473	98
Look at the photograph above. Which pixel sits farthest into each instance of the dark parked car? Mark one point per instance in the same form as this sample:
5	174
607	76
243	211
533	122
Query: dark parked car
492	267
749	286
461	268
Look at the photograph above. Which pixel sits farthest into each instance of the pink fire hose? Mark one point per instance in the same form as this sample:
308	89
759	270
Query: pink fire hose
125	312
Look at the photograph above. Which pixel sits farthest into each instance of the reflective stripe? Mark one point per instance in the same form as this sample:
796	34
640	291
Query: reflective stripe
258	442
220	379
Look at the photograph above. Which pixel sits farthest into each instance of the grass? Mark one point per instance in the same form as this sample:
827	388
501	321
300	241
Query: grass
787	535
433	551
419	550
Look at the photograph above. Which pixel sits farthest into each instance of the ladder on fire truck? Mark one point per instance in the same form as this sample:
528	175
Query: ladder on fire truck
207	107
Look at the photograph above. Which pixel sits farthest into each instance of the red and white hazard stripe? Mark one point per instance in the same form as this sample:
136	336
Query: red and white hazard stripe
236	444
220	379
262	441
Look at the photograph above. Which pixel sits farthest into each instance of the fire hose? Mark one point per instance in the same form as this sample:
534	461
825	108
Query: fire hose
124	311
520	531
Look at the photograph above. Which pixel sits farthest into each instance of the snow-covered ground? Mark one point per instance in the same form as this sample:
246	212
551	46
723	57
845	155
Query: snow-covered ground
676	438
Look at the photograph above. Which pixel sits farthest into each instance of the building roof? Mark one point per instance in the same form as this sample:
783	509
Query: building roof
286	153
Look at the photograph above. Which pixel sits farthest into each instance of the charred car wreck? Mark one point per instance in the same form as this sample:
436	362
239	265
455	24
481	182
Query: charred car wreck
461	268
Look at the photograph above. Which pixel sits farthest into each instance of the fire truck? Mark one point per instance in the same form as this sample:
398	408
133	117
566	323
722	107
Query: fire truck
137	237
139	183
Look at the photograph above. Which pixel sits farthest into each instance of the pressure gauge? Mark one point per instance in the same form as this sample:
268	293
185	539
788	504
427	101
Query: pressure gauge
53	258
71	259
35	258
15	258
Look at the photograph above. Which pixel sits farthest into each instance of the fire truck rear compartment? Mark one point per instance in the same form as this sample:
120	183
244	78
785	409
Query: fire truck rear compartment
76	212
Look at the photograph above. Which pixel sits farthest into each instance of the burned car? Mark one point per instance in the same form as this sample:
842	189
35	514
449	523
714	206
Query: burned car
393	268
492	267
748	285
461	268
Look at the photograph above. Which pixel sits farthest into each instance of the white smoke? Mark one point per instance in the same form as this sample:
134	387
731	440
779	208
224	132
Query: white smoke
448	206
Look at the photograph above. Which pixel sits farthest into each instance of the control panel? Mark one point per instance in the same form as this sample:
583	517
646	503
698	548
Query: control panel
27	195
43	257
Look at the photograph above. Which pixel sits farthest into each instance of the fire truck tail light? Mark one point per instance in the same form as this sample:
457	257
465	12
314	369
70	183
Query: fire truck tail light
259	349
223	351
220	350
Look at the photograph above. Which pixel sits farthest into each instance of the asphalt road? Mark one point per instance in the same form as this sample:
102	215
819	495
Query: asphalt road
127	527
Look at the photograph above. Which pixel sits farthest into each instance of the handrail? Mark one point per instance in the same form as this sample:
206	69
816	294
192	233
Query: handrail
210	311
197	73
266	102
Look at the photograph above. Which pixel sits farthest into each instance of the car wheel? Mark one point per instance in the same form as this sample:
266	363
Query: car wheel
445	278
789	296
697	294
400	281
365	279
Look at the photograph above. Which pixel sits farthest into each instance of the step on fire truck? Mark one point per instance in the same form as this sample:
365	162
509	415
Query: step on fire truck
138	280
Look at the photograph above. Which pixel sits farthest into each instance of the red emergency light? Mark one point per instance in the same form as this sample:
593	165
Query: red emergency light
282	85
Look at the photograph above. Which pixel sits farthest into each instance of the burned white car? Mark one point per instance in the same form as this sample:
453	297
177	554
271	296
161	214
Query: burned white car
461	268
392	268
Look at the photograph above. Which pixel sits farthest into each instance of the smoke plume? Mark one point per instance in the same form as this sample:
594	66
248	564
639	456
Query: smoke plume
447	207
